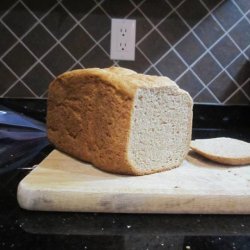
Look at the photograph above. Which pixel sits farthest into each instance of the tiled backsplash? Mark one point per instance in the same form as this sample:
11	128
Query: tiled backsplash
203	45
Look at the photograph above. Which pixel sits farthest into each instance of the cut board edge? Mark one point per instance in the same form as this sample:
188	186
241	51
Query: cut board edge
37	200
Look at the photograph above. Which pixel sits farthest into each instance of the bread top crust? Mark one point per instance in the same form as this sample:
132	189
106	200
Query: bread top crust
124	80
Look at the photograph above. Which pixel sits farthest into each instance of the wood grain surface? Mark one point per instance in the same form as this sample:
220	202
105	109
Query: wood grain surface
61	183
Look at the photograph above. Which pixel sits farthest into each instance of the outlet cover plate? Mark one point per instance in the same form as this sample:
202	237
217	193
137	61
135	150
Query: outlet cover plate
123	39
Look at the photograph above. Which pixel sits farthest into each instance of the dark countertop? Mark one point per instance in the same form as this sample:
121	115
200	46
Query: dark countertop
20	229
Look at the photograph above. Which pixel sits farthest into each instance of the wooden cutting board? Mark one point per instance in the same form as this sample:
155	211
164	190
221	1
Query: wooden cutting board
61	183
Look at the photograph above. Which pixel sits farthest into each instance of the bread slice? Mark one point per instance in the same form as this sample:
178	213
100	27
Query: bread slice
120	121
223	150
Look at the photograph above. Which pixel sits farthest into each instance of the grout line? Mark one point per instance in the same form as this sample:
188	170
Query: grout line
229	30
225	34
214	58
137	5
80	25
211	54
99	3
9	10
165	54
242	85
188	67
241	51
245	83
19	41
29	89
48	12
151	63
57	41
154	68
146	71
182	74
44	26
96	43
183	37
15	43
100	6
227	66
215	43
248	18
174	9
18	80
244	14
107	14
10	87
176	52
43	94
154	27
201	81
230	96
84	16
89	50
28	49
149	21
138	48
222	71
208	84
116	62
26	33
236	91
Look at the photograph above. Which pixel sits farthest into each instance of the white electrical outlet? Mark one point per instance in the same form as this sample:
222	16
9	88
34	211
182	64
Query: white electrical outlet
123	39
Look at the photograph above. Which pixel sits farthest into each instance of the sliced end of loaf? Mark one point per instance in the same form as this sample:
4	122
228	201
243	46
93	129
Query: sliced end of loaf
160	132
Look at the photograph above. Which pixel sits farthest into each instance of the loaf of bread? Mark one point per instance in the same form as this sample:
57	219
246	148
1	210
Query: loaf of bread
120	121
224	150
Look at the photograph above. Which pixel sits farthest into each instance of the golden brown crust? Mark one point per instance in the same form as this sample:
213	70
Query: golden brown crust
108	77
98	125
120	71
123	80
